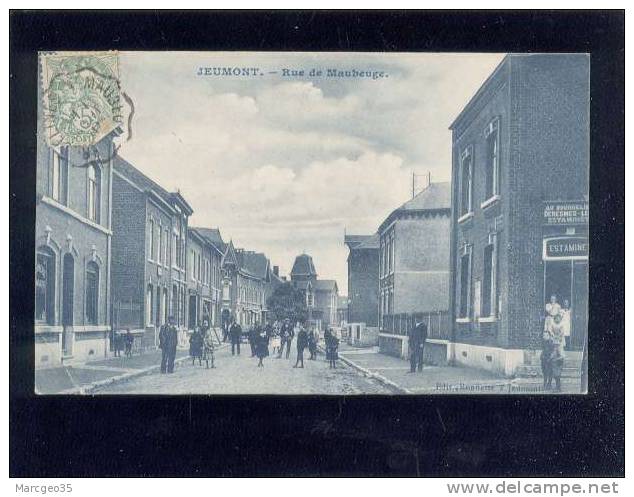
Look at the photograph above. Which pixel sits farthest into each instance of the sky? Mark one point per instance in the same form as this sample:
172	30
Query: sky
286	164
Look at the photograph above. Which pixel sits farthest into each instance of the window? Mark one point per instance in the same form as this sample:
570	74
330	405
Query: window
466	184
59	175
158	306
149	305
166	250
94	193
160	244
151	239
45	286
489	287
92	293
492	172
465	285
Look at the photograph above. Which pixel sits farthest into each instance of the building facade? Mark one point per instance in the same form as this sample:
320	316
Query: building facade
149	270
321	295
208	243
414	256
520	200
73	243
363	279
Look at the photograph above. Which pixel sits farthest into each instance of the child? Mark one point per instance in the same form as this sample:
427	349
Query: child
262	347
196	347
129	340
208	350
557	364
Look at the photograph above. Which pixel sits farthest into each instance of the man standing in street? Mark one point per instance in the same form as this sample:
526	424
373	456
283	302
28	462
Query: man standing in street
302	342
286	337
168	339
417	337
235	332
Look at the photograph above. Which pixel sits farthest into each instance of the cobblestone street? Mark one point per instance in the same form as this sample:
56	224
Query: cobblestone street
240	375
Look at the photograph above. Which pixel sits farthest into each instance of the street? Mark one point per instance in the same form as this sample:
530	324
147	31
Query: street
240	375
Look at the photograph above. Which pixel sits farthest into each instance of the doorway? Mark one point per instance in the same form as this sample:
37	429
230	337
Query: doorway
68	294
192	312
567	280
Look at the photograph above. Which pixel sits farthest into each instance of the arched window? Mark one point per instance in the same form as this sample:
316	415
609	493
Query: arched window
92	293
45	286
94	193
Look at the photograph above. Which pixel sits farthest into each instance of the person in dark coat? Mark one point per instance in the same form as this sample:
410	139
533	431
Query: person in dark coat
417	337
332	345
262	347
168	339
196	347
117	344
546	361
235	332
128	341
254	333
302	342
312	345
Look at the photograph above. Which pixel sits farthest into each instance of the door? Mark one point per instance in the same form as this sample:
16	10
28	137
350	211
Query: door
192	312
68	291
579	306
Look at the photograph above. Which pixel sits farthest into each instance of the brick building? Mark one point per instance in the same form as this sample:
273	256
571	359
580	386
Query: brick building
519	223
321	295
73	237
363	279
149	252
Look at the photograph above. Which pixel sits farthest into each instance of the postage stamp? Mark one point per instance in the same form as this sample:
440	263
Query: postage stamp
81	97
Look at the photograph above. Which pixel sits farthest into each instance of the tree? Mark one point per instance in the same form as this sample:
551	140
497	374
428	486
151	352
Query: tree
287	302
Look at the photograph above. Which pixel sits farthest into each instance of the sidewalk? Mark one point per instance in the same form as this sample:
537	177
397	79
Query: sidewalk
441	379
81	378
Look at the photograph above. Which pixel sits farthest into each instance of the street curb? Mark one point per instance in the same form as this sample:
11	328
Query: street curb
370	374
91	387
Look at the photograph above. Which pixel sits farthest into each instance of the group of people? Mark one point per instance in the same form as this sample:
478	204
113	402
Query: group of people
123	341
556	330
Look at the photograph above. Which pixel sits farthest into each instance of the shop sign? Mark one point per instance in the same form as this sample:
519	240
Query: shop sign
566	248
565	213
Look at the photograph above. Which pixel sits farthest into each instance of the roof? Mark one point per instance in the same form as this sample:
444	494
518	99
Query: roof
436	197
303	266
214	237
253	263
355	242
123	167
325	285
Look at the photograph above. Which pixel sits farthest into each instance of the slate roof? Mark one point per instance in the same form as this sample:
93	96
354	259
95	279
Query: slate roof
362	241
303	266
123	167
254	263
325	285
214	237
436	197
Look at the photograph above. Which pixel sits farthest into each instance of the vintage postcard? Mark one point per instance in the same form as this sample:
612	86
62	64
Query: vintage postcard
312	223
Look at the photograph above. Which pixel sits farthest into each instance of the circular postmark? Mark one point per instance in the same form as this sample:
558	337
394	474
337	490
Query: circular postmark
82	98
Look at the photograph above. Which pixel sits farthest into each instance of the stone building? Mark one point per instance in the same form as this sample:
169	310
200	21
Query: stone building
321	295
149	250
520	200
363	279
73	244
414	255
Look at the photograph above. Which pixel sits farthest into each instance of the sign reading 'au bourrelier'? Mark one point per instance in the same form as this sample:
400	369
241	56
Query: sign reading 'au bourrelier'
561	213
571	248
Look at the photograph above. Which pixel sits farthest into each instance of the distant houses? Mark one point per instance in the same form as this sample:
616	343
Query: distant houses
114	251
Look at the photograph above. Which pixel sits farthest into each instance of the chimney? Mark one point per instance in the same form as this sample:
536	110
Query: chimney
276	270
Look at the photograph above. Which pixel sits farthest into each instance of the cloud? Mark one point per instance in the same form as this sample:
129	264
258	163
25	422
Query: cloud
285	165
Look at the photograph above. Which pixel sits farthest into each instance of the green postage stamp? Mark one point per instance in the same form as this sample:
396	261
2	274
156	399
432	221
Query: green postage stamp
81	97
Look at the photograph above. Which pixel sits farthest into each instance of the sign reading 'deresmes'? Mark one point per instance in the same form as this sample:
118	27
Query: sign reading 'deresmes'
567	248
565	213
